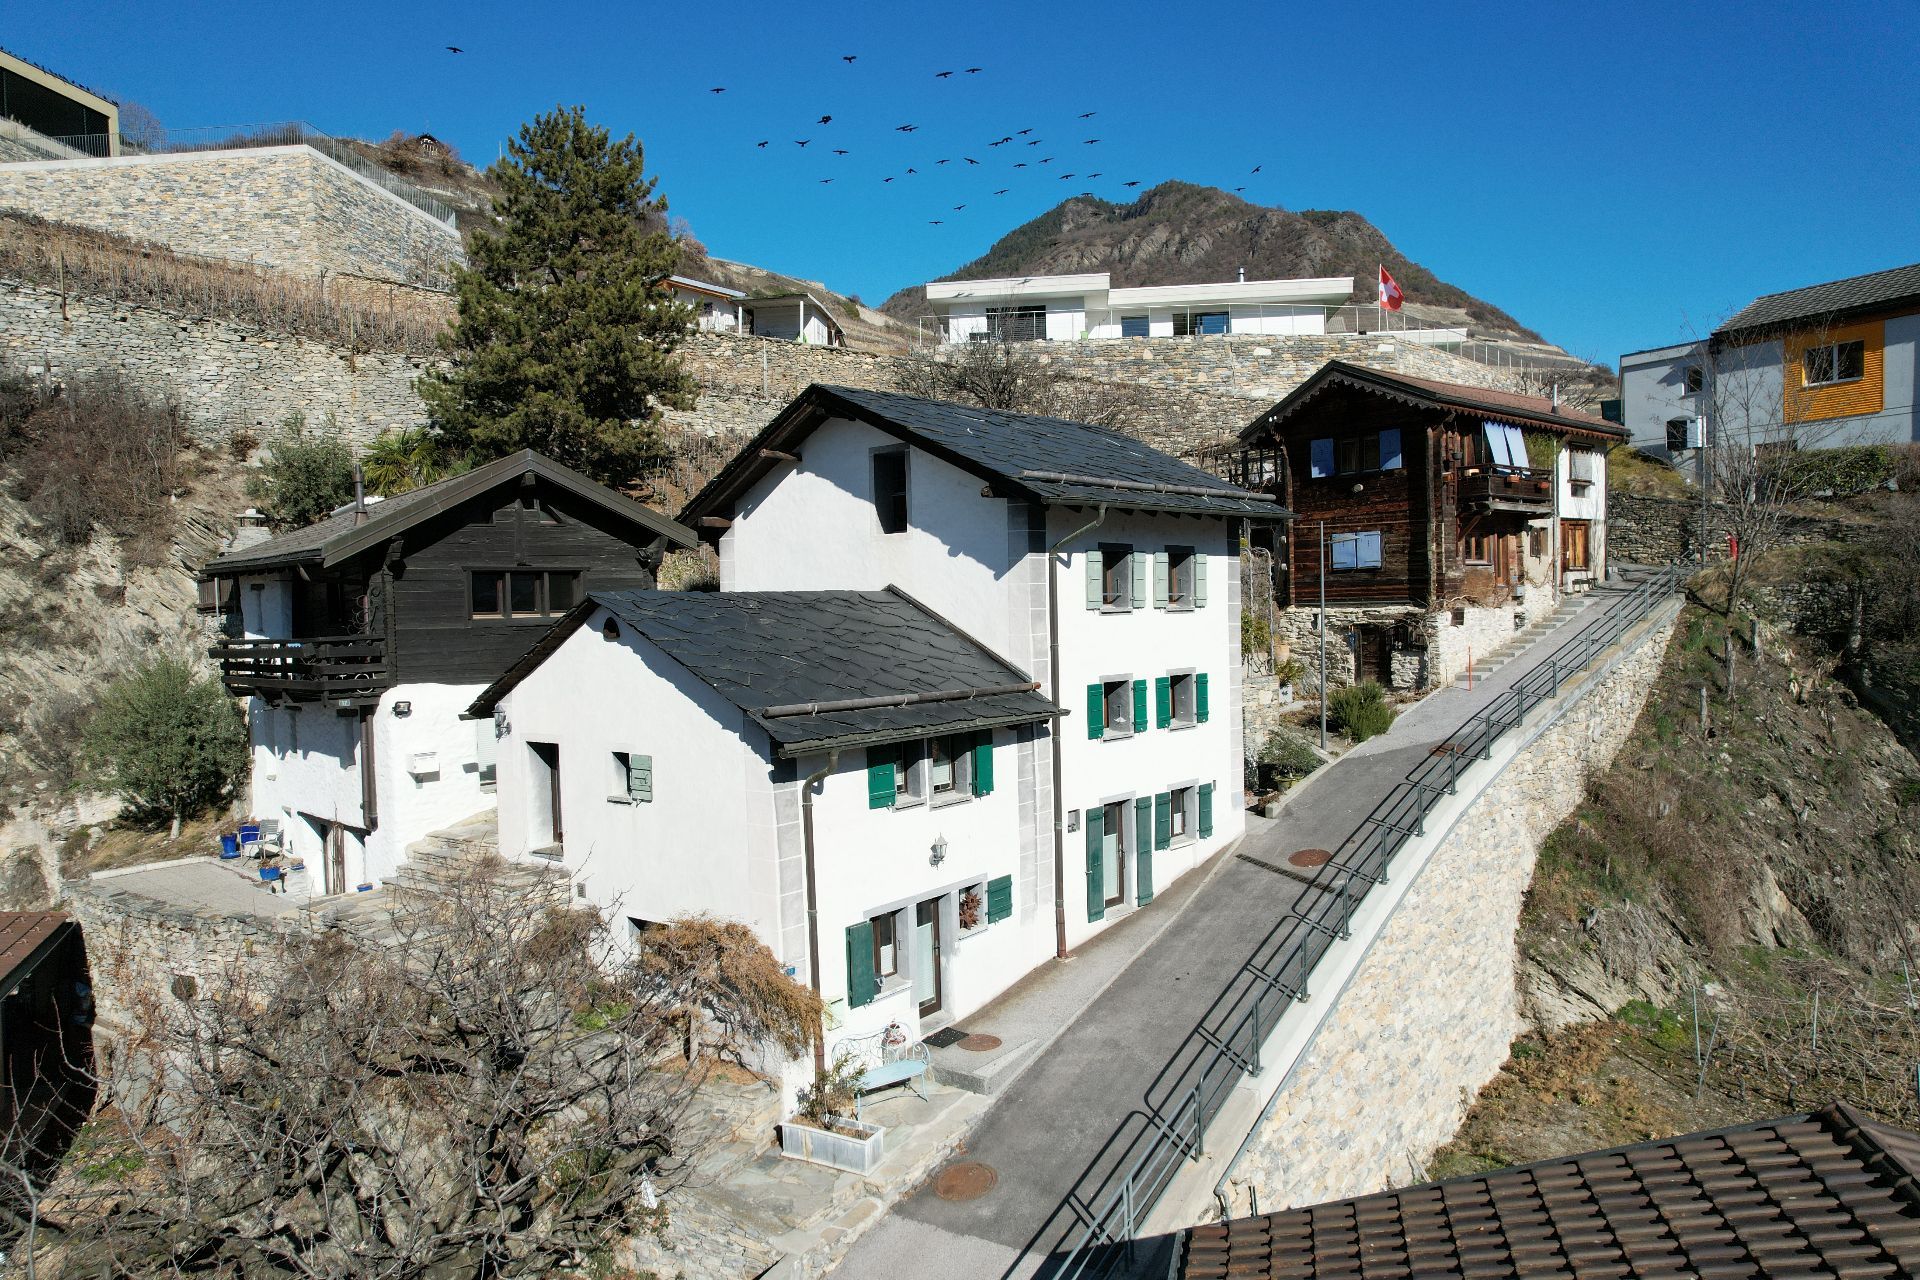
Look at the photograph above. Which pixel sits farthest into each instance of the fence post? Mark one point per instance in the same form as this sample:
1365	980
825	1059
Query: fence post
1199	1126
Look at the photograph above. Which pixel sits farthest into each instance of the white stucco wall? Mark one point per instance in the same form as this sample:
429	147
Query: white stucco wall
1653	389
1590	506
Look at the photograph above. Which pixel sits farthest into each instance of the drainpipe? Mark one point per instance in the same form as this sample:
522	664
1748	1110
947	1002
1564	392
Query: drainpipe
1053	673
813	900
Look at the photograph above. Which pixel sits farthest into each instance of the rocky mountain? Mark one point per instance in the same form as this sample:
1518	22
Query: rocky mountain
1180	233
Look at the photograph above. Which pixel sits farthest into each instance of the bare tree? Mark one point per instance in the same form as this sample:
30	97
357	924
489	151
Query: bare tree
1016	377
494	1088
1574	387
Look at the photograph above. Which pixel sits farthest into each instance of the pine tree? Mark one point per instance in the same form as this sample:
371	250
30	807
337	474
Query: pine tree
565	336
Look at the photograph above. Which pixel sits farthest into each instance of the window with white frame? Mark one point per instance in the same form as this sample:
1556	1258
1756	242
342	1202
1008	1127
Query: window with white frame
1116	576
886	954
632	778
1134	327
1180	590
1832	362
909	785
1119	700
950	766
1580	470
1183	800
1181	694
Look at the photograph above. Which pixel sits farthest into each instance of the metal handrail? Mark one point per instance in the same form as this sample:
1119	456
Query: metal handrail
1279	972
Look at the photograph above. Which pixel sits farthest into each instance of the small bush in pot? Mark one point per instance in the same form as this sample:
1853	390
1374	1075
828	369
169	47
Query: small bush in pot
834	1091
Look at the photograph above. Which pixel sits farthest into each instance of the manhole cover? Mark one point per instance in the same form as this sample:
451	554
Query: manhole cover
1310	858
980	1043
967	1180
946	1036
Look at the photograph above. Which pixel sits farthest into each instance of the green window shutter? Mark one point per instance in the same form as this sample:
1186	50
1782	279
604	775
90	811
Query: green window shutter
1095	588
1159	579
1139	706
999	899
1163	820
862	983
1199	581
1096	711
1206	808
1137	562
1200	698
1162	701
880	777
1143	859
1095	821
640	779
983	764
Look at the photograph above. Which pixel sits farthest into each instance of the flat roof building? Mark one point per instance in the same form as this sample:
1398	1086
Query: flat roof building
1069	307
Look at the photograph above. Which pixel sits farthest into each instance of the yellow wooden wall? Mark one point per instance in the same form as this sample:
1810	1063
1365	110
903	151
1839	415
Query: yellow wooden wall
1865	394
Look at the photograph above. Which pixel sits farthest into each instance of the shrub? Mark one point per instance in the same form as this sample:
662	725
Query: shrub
1256	631
95	453
167	740
1360	710
1841	472
1288	755
305	477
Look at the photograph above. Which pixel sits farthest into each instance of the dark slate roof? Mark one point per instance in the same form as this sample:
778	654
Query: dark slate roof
1835	299
763	650
24	937
1049	460
1509	406
1830	1194
338	537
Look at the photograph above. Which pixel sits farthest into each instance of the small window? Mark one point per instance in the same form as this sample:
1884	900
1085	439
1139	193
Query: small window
1580	469
1116	576
1351	551
950	765
1321	452
523	594
890	489
1135	327
563	591
886	958
1180	578
632	781
1477	548
638	929
1182	690
538	510
486	593
1695	379
1835	362
908	776
1181	816
526	593
1119	698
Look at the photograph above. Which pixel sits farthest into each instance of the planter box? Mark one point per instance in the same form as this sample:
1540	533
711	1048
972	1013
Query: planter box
835	1150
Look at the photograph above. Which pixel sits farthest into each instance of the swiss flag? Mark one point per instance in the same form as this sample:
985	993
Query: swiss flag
1390	295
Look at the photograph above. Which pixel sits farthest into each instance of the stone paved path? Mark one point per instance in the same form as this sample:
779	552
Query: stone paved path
1073	1119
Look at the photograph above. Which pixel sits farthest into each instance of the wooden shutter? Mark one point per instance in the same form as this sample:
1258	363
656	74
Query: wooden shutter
999	899
880	792
1163	820
1206	809
983	764
1096	710
1137	566
1159	579
1095	822
1199	580
1162	701
862	983
1139	706
640	779
1143	860
1096	588
1200	698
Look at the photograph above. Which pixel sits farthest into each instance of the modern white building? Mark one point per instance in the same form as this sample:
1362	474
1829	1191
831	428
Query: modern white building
794	317
1069	307
359	641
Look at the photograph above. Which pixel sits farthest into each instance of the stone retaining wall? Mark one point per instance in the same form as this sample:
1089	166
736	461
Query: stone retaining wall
226	375
285	207
1430	1014
1649	530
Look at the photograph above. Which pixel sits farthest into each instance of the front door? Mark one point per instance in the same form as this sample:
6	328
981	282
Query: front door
1573	546
336	838
926	956
1113	854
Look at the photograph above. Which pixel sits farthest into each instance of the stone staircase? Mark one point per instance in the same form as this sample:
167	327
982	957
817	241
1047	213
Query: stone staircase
1486	665
434	865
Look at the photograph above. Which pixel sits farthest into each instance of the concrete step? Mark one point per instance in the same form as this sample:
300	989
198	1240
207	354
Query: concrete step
982	1073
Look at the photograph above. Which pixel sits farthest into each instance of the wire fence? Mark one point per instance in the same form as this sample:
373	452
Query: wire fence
281	133
1108	1206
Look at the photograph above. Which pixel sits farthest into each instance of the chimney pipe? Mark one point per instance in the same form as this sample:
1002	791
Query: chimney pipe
359	496
1556	397
1243	275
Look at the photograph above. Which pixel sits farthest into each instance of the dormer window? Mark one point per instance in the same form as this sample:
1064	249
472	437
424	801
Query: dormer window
890	488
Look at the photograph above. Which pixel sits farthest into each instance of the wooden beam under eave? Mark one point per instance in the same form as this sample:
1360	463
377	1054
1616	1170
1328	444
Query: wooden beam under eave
714	522
778	455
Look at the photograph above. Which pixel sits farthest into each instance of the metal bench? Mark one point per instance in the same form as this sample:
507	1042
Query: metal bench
888	1059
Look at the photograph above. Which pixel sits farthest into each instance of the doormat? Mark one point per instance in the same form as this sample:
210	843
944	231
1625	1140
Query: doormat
941	1039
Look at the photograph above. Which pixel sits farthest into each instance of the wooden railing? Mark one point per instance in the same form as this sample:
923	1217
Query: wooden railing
316	667
1506	488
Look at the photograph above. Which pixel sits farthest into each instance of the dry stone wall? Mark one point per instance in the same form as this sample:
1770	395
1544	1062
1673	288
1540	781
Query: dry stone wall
227	376
285	207
1435	1004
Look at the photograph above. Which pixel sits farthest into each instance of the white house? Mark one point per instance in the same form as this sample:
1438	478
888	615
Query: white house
843	770
1105	570
794	317
358	642
716	308
1068	307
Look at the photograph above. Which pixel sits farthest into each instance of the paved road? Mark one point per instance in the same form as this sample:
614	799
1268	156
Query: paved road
1071	1122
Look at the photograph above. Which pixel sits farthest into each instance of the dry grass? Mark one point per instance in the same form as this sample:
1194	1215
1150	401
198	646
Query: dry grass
95	264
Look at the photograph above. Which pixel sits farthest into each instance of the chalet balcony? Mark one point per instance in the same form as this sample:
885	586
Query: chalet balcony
1528	490
317	669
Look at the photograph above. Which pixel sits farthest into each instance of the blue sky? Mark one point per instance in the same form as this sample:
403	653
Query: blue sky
1614	175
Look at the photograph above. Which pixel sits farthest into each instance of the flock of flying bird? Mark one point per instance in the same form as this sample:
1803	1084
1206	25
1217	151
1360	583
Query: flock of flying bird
1018	136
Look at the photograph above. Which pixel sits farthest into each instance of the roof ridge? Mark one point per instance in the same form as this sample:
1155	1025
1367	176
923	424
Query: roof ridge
1858	1132
1822	284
